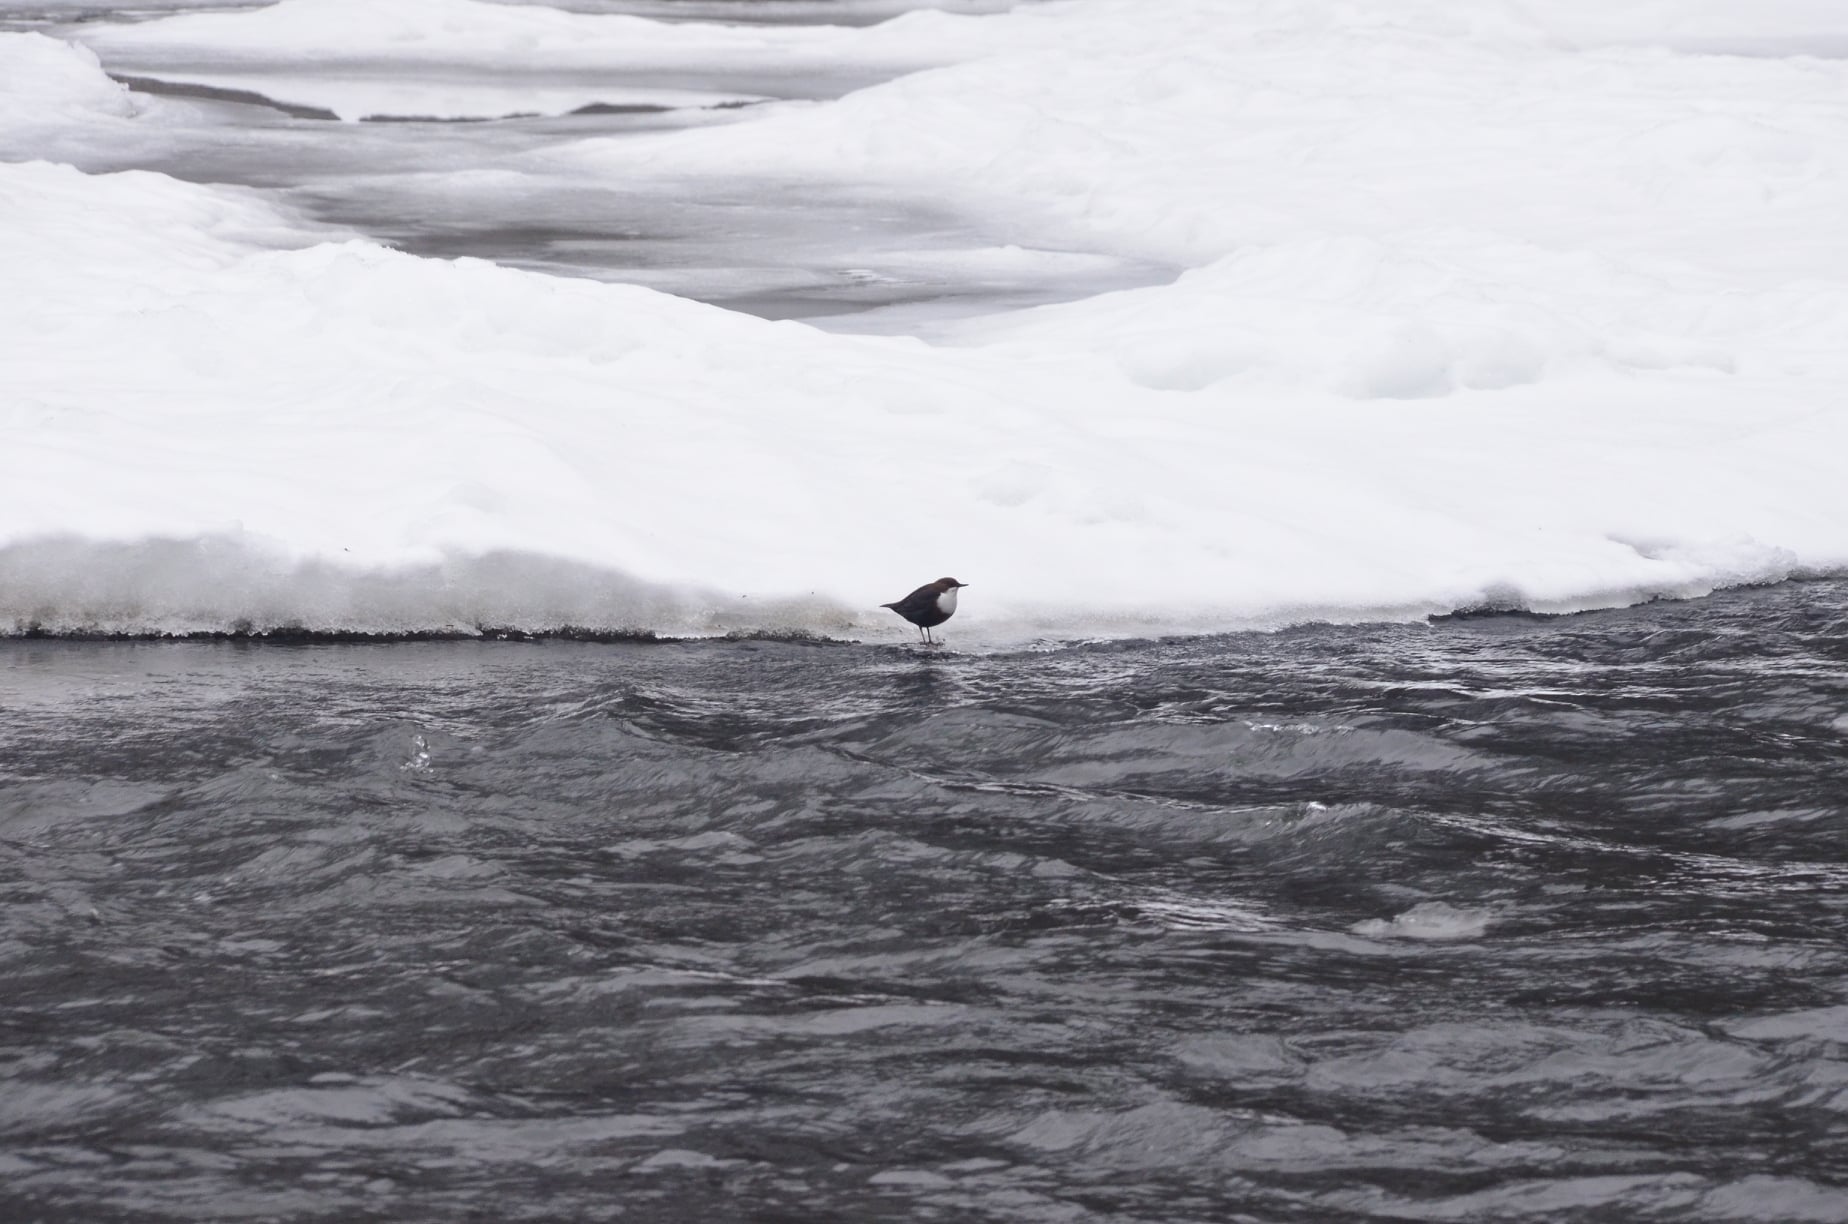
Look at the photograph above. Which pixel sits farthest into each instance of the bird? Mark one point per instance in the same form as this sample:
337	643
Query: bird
931	604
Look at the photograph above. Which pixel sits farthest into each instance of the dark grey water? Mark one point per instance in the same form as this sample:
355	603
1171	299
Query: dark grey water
1493	920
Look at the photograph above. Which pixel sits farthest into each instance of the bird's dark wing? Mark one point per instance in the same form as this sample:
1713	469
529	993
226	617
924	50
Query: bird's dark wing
924	599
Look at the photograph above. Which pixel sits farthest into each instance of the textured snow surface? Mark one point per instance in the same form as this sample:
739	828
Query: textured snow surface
439	58
48	84
1489	303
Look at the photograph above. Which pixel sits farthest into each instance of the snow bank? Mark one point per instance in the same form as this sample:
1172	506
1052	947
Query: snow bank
360	58
79	8
411	31
1432	314
1744	27
52	84
817	12
500	36
1222	127
1475	318
232	583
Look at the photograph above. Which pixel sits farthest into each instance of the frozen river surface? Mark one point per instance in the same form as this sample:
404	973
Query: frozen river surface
450	158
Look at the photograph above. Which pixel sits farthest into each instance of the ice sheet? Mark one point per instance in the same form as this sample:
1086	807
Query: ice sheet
459	59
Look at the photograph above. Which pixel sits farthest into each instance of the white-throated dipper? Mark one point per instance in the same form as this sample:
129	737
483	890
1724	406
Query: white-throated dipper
931	604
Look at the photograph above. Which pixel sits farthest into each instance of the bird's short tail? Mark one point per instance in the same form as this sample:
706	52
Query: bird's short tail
893	606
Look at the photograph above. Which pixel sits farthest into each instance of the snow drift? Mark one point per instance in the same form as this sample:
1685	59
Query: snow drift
1483	311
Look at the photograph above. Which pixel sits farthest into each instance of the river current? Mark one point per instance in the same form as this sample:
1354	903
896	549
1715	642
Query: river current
1486	919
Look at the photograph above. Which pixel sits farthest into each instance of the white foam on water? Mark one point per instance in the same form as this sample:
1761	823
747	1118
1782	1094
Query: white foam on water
1434	920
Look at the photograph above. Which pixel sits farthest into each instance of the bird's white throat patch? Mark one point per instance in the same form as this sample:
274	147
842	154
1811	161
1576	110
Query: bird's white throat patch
946	601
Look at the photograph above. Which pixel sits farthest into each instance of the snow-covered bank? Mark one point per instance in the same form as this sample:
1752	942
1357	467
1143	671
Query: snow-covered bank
502	37
1477	316
50	86
468	58
228	583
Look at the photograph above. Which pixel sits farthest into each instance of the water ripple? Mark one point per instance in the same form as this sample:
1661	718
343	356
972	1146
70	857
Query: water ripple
1511	919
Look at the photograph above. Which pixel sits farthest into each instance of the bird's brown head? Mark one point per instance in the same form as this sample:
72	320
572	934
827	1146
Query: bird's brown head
949	584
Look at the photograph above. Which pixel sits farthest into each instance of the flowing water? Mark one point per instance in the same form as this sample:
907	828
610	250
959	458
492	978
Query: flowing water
1498	919
1491	919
